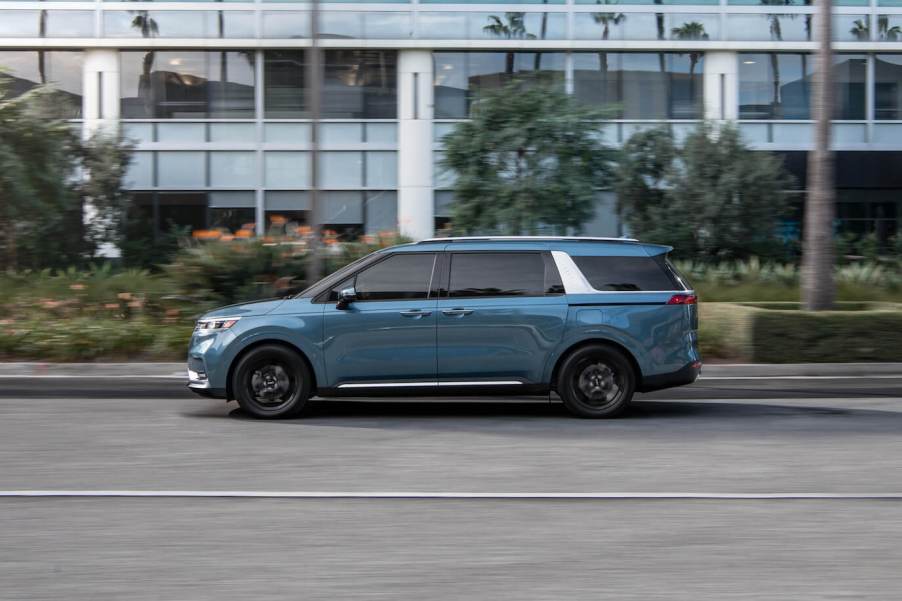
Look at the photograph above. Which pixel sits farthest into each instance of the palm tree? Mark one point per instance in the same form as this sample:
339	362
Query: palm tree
818	287
543	30
861	31
691	31
513	27
148	27
776	34
606	20
42	32
887	33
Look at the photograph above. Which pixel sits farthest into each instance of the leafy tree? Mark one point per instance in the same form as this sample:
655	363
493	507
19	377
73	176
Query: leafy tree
711	197
528	158
47	175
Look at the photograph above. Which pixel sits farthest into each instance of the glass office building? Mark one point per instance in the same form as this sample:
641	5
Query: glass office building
213	93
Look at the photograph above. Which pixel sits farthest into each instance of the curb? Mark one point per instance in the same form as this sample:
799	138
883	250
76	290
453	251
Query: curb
178	370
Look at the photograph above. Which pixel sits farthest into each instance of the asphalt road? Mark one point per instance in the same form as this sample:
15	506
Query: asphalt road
819	437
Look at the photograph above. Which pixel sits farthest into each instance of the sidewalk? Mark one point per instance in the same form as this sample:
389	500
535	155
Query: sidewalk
722	370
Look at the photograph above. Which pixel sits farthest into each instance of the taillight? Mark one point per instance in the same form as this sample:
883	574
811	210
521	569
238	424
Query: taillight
682	299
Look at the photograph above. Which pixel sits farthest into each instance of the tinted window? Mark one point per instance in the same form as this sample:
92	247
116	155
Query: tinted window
497	274
402	276
624	273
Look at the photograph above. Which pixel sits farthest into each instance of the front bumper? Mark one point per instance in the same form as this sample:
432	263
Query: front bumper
199	383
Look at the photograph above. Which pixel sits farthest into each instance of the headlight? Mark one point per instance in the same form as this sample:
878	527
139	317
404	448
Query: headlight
214	324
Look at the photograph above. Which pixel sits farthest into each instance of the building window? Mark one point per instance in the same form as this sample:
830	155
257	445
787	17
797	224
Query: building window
888	86
183	84
778	86
178	24
642	85
357	84
503	25
461	77
23	70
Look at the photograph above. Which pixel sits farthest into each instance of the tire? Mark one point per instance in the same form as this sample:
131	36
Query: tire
272	382
596	381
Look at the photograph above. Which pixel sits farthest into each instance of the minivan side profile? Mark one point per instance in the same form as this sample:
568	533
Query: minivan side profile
593	319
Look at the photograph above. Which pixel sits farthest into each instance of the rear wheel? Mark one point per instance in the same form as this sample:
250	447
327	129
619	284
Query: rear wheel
272	381
596	381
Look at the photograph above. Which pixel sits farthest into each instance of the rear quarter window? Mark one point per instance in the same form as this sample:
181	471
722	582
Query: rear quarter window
626	274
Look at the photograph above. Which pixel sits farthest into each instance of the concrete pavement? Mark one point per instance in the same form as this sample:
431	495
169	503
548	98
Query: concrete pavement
740	436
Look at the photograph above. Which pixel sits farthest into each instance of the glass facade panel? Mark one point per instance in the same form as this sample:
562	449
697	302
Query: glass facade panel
233	169
283	84
25	69
491	26
772	27
185	84
178	24
664	2
67	24
641	85
381	212
138	133
359	84
645	26
181	169
140	171
778	86
460	77
373	25
341	133
286	133
341	169
286	24
286	169
381	169
20	24
341	208
889	28
232	132
182	132
888	86
382	133
851	28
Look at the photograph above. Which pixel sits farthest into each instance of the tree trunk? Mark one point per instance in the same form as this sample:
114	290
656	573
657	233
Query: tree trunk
818	288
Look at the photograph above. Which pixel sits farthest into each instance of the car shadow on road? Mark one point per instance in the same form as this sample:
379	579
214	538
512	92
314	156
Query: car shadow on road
389	413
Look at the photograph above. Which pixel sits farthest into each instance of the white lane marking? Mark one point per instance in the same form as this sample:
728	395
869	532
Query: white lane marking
254	494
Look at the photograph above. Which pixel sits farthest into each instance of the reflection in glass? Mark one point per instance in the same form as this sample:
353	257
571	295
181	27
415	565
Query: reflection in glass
283	84
492	26
641	85
364	24
888	86
645	26
851	28
889	28
460	77
774	27
25	69
66	23
778	86
664	2
178	24
20	24
359	84
185	84
286	24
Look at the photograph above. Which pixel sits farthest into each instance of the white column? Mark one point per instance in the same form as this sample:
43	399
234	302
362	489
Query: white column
100	90
416	213
721	85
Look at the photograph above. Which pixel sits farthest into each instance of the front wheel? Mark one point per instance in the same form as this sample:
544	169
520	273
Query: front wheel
596	381
271	382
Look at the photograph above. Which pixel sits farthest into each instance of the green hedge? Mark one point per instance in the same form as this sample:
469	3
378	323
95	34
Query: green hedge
832	336
781	333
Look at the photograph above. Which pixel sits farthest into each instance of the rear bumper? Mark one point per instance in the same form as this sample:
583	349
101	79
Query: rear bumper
685	375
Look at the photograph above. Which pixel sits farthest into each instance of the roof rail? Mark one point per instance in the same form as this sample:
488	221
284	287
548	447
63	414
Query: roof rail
527	238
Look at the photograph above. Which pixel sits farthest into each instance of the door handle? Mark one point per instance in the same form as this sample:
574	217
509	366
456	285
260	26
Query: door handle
416	313
457	312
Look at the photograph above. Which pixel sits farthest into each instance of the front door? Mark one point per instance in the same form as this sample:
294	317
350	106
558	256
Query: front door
502	315
387	335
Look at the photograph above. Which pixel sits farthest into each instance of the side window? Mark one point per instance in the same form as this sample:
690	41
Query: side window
399	277
497	274
624	273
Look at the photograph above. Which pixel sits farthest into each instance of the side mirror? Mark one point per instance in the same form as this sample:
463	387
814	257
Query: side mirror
346	297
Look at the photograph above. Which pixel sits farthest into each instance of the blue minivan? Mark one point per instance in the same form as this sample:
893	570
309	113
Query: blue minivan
592	319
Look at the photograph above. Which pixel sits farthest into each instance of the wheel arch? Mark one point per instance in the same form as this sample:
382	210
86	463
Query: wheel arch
594	342
264	342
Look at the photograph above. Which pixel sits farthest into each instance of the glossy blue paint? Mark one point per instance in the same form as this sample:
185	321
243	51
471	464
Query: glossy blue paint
497	338
502	339
379	341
